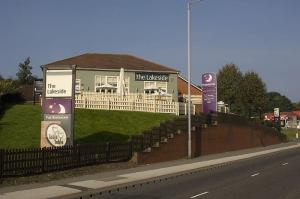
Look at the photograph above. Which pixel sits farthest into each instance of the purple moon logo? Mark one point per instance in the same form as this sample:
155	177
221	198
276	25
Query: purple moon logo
207	78
57	106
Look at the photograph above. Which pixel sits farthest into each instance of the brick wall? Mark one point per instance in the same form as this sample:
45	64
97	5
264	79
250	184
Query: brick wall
183	87
218	139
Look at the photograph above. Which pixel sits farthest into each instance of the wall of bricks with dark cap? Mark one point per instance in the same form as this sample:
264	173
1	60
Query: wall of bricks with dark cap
212	140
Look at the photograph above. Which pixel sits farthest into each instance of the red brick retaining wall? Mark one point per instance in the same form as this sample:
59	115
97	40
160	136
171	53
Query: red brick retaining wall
218	139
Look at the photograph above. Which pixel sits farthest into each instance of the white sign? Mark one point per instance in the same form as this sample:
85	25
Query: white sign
58	83
56	135
276	112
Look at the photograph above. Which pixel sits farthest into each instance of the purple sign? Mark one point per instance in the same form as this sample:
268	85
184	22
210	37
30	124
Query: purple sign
209	86
57	106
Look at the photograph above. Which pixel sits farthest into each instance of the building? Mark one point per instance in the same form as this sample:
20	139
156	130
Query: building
100	73
196	93
287	119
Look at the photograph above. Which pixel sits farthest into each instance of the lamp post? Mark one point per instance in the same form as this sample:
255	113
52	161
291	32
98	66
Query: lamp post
189	4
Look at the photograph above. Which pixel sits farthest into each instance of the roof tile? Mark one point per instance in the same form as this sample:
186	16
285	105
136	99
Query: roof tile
112	61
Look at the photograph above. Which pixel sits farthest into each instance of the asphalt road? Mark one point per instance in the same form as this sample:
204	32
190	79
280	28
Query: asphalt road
275	176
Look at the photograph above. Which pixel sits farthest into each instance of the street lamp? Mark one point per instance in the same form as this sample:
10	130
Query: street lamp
189	4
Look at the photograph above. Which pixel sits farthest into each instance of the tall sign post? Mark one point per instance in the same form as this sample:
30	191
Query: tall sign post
37	89
277	121
209	88
58	104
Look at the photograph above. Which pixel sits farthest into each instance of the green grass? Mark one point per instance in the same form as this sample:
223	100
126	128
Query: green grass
291	133
20	125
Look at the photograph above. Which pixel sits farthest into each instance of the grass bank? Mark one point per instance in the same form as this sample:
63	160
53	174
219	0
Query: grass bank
291	133
20	125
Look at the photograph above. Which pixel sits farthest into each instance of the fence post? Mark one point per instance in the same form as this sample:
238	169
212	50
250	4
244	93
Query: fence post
43	160
142	142
151	138
1	163
133	105
130	149
78	155
159	134
108	151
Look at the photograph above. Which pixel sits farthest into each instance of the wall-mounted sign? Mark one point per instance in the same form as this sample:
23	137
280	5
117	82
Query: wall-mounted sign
58	106
59	83
56	135
276	112
209	88
53	134
152	77
38	86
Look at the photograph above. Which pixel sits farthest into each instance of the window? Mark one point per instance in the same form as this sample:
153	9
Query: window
112	80
155	87
99	80
77	86
109	84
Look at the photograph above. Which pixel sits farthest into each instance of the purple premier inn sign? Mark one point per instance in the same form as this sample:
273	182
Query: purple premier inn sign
209	86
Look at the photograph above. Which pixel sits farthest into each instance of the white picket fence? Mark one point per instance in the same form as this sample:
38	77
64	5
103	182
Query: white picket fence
143	103
129	96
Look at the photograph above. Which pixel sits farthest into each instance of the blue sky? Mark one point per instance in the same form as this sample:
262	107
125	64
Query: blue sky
258	35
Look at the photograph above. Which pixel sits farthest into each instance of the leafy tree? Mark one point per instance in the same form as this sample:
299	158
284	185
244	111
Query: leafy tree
253	93
297	106
6	86
24	74
276	100
229	78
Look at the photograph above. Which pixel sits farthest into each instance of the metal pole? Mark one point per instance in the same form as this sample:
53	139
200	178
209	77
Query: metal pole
189	80
189	3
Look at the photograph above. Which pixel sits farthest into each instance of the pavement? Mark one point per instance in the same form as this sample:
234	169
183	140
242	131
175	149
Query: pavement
97	184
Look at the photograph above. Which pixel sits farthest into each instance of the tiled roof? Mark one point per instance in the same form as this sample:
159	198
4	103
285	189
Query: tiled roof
112	62
297	113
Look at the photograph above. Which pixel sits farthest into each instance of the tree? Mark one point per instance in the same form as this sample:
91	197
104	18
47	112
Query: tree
6	86
276	100
229	79
297	106
253	93
24	74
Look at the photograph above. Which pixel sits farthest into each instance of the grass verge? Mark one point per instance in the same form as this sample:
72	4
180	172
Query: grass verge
20	125
291	133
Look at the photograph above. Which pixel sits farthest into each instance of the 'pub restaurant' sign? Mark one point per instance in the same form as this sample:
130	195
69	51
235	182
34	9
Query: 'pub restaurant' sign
58	106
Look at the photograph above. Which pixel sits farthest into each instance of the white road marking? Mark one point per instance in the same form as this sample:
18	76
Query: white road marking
285	164
201	194
256	174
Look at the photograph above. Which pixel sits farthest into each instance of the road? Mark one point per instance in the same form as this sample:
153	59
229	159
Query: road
275	176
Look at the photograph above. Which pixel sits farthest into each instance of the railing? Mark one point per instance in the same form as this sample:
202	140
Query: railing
21	162
131	102
195	99
129	96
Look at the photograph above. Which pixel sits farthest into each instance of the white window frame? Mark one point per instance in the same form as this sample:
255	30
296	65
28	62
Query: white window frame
155	86
78	90
105	77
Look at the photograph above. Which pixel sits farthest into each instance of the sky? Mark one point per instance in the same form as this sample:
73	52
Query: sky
256	35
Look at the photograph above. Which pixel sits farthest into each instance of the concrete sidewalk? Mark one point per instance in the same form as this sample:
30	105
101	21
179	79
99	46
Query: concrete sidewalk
75	187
